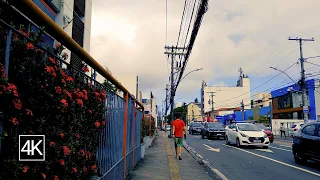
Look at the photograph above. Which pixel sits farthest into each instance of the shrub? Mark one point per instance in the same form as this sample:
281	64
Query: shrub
40	97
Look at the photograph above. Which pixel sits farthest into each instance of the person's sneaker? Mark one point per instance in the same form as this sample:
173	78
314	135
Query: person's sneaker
180	158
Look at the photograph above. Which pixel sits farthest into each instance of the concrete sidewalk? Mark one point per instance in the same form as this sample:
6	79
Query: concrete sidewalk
160	163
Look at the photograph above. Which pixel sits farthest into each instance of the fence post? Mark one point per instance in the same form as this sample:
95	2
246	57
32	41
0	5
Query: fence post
7	53
134	132
125	121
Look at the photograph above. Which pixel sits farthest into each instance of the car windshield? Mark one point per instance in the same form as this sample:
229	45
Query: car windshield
215	125
196	125
248	127
262	126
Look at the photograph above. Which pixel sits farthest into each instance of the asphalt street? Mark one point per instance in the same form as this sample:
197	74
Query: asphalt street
253	162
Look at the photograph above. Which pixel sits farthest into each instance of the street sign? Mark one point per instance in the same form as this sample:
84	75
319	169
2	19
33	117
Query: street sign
305	109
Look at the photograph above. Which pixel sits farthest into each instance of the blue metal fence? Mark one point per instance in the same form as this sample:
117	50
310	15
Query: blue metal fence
112	164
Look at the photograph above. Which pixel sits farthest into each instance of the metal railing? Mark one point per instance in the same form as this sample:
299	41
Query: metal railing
119	143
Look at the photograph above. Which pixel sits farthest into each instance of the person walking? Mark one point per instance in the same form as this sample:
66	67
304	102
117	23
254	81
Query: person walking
179	130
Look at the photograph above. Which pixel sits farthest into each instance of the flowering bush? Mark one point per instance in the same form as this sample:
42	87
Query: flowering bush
41	98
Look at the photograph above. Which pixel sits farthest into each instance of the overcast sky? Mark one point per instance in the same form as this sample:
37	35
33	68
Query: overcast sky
128	36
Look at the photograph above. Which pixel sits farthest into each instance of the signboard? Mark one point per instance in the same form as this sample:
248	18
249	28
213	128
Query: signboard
305	109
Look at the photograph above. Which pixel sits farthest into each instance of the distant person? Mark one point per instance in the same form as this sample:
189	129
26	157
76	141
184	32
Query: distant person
282	130
179	130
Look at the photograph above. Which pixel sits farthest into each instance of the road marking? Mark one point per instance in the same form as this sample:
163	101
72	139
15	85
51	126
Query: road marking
265	150
285	146
209	140
280	149
199	156
212	149
223	177
280	162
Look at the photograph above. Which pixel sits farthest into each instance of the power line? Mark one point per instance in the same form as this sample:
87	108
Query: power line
259	85
184	8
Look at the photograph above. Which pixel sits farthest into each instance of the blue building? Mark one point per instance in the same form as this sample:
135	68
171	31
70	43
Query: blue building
287	101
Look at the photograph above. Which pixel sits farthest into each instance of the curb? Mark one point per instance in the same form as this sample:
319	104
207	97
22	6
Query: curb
213	173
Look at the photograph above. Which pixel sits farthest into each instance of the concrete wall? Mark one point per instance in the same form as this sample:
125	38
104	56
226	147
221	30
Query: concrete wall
227	97
286	122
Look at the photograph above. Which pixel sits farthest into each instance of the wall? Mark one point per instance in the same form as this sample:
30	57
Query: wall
287	124
264	111
129	81
226	97
87	26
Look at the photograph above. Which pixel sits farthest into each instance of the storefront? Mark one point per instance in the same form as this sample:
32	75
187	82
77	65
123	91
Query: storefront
287	101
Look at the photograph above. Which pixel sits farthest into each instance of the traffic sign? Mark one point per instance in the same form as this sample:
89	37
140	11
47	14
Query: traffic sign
305	109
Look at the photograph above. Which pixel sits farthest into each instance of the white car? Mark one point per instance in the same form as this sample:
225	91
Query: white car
246	134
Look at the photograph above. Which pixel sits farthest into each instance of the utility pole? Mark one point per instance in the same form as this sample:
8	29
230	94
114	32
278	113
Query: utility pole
242	109
172	53
166	108
212	108
303	79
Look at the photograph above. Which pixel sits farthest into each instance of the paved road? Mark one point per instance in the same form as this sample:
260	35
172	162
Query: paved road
253	163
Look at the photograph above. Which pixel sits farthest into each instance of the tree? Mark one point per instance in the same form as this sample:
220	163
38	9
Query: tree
196	100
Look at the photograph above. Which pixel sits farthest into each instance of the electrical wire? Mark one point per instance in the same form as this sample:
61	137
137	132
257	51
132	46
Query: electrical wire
260	84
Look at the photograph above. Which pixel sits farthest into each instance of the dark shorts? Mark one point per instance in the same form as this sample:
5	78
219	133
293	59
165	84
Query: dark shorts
178	141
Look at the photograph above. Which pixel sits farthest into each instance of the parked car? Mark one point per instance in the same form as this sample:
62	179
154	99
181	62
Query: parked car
267	131
246	134
294	128
195	127
213	130
306	143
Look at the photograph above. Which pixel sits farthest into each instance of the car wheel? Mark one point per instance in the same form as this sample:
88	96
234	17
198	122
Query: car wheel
265	147
299	157
238	143
227	140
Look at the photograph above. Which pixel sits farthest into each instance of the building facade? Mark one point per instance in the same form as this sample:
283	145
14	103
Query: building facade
178	104
226	96
261	99
150	107
287	101
194	112
74	17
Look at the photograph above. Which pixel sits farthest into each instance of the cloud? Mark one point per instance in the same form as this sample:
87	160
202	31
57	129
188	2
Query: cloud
129	37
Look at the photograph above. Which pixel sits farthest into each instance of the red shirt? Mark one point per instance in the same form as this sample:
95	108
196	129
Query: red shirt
178	126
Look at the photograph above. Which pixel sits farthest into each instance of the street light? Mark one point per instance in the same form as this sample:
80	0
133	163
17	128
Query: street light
199	69
285	74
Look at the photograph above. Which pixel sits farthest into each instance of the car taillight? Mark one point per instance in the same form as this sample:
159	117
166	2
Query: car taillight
295	129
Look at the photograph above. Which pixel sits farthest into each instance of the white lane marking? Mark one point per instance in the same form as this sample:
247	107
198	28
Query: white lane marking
223	177
212	149
199	156
281	149
280	162
285	146
265	150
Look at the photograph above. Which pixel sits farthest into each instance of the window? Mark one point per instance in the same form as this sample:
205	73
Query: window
285	101
309	130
